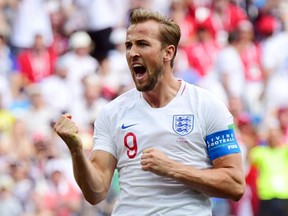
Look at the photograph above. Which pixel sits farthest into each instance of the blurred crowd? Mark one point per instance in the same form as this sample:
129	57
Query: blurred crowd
59	56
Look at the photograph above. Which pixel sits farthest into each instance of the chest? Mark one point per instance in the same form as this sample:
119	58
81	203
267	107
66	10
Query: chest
177	132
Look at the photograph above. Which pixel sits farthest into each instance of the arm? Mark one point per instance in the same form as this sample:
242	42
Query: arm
93	176
225	179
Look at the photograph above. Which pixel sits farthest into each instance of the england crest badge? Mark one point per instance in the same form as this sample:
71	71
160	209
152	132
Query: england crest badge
183	124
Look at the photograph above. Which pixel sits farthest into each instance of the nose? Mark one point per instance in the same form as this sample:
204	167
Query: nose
132	52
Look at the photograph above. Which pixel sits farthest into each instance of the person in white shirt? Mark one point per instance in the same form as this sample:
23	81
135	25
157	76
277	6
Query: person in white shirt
232	75
101	18
274	61
25	26
87	108
56	89
79	62
172	143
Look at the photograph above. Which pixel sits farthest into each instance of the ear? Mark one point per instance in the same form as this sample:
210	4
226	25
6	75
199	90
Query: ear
169	53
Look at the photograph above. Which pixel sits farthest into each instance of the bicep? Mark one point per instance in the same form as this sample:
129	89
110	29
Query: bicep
105	164
232	163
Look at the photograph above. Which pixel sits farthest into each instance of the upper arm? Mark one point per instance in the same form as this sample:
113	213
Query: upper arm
105	164
232	163
230	167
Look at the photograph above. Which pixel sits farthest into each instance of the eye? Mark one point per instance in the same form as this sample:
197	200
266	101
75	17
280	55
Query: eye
128	46
142	44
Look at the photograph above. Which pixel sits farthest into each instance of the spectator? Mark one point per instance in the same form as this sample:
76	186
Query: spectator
39	115
250	54
183	70
223	18
23	184
116	77
282	116
271	163
44	150
56	88
9	205
249	138
25	25
231	76
179	12
8	63
5	28
87	109
20	141
9	68
274	61
79	62
100	24
57	14
37	206
37	62
203	51
61	196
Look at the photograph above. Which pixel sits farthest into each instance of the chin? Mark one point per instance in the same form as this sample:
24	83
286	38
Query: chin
145	87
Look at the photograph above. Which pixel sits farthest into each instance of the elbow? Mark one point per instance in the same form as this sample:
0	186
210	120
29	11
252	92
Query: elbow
93	195
92	200
238	192
238	187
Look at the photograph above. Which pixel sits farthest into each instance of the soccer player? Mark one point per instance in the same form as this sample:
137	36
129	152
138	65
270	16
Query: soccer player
172	143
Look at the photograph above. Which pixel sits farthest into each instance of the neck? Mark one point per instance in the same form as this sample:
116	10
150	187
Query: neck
163	93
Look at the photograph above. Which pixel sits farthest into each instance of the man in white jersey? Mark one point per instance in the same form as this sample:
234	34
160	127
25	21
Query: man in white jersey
171	142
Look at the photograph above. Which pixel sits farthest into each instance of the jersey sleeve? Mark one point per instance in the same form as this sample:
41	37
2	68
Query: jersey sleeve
220	137
102	138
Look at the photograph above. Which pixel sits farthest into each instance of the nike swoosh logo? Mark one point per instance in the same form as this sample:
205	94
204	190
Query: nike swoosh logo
127	126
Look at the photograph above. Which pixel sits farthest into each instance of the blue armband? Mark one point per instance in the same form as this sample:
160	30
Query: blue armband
221	143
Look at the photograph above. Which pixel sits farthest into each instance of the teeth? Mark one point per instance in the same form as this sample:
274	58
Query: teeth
137	65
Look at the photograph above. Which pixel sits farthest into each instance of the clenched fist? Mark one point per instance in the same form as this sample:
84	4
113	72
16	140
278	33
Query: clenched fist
68	131
155	161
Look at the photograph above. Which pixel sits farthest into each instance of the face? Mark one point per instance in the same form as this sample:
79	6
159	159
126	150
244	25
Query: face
274	137
39	42
144	55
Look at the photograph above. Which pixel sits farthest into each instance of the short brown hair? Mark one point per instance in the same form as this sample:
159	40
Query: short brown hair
169	31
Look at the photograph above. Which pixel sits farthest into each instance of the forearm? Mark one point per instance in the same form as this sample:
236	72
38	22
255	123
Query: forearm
93	176
215	182
88	178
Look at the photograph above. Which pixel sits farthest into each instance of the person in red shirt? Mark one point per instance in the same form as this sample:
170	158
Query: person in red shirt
37	62
223	18
201	54
179	12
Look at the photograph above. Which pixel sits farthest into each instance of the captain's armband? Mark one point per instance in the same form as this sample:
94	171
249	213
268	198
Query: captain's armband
221	143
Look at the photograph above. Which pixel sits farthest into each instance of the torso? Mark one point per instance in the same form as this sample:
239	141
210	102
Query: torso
178	129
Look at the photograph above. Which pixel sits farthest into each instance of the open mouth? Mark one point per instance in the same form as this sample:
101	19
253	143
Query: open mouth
139	70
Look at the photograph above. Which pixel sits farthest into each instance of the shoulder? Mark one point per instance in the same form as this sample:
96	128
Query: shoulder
116	109
208	105
201	94
203	99
122	100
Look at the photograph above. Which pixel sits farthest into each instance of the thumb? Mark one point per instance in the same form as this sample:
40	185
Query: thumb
67	115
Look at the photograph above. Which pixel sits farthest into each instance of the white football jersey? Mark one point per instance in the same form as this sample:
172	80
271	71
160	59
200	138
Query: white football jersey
128	125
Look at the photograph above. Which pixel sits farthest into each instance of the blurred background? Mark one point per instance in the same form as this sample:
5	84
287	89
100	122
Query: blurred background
59	56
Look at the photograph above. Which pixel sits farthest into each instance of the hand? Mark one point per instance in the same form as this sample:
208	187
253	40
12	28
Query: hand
68	131
155	161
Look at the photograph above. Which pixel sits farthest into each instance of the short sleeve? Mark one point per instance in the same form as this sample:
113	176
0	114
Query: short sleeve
102	138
